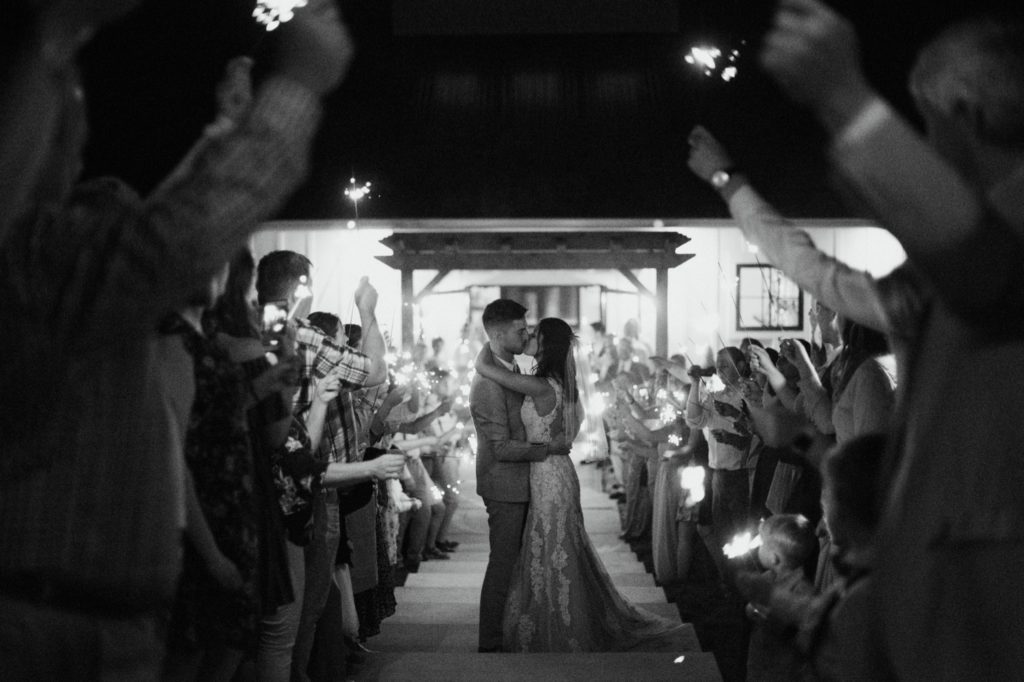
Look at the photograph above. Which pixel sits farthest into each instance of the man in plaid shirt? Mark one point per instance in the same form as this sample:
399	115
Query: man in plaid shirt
285	275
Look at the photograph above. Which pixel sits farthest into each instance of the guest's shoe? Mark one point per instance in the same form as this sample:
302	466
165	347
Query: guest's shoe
446	545
432	553
412	566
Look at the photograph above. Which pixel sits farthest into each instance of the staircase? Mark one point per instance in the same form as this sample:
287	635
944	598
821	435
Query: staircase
433	634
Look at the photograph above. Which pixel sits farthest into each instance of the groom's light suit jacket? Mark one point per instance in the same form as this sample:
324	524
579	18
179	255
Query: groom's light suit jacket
502	450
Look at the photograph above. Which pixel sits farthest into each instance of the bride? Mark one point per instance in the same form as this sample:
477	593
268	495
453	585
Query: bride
561	597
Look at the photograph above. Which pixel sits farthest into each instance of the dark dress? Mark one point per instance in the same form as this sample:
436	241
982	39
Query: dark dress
218	456
275	587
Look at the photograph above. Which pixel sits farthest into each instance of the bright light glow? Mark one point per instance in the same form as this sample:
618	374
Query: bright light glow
303	291
351	225
597	405
703	57
741	544
710	61
691	478
273	13
356	192
674	440
680	659
751	248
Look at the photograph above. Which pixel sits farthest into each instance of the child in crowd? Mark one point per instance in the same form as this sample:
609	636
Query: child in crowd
787	542
833	626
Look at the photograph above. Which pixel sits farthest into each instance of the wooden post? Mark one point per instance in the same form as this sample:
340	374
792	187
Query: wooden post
408	336
661	342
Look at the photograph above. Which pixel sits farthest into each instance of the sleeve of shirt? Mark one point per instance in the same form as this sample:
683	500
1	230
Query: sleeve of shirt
194	223
960	241
491	420
351	366
700	409
874	398
852	293
817	405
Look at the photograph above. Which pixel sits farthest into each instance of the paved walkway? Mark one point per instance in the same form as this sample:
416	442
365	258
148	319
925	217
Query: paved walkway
433	634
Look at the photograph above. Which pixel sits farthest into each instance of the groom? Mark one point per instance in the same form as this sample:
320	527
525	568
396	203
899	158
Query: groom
502	463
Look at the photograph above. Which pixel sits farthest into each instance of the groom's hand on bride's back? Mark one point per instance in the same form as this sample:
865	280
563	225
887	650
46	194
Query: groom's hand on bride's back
559	447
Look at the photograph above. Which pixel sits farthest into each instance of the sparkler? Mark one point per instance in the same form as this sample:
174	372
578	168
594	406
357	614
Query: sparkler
711	61
302	292
691	478
741	544
273	13
355	194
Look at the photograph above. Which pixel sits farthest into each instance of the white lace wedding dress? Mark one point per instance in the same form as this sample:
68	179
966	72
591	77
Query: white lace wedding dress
561	597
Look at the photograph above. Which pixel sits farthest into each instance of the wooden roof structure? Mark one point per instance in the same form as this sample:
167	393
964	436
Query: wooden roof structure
549	250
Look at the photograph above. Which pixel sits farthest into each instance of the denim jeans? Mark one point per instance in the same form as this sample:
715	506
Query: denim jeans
320	556
279	629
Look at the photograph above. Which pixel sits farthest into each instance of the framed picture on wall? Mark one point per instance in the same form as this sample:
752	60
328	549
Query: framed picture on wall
767	300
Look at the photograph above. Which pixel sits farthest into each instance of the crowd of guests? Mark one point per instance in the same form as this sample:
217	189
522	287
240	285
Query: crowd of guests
876	475
737	449
175	502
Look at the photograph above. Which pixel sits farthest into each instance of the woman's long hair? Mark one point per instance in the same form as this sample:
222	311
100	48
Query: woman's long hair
860	343
558	361
234	313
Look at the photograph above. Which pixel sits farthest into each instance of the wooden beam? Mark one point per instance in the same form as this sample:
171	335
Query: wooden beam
628	274
534	261
661	304
407	301
430	285
568	242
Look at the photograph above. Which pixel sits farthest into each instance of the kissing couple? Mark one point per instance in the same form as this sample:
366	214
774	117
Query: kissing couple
545	589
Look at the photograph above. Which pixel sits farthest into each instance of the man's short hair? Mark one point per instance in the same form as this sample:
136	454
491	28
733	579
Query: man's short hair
979	61
278	273
502	311
793	537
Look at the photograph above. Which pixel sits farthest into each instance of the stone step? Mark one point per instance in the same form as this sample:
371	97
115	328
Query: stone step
463	638
596	667
414	594
468	612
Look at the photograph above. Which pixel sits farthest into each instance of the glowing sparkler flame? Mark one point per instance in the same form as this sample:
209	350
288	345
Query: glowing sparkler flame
741	544
703	56
692	480
273	13
709	60
357	192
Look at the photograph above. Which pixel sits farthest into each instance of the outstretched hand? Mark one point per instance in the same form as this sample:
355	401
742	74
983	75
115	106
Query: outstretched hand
813	53
366	295
314	49
707	155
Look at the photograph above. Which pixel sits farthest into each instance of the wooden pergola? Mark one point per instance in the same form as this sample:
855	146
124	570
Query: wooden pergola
622	251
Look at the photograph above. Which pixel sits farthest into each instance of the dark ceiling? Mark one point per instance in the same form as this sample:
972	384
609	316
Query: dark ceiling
532	108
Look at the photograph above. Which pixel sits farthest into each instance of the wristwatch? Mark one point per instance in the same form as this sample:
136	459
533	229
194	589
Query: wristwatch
720	178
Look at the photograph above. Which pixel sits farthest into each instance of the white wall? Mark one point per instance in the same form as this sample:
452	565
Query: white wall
701	291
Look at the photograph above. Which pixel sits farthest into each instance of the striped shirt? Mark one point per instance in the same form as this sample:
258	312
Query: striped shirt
91	473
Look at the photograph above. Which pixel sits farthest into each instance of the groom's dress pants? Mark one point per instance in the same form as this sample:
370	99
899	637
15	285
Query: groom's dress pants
506	521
